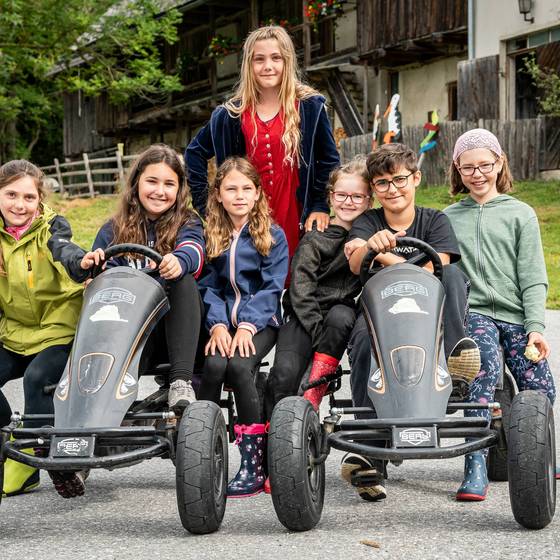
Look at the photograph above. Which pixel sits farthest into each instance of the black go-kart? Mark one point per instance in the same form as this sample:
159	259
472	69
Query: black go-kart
411	391
98	421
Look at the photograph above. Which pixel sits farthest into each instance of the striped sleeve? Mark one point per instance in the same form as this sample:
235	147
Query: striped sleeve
190	248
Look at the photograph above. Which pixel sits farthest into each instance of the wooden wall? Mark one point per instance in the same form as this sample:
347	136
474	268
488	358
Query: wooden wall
388	22
79	128
477	89
532	145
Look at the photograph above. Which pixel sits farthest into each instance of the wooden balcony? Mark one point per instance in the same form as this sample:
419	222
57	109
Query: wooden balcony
399	32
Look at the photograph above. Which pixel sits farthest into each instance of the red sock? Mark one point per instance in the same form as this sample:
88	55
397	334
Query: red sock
323	364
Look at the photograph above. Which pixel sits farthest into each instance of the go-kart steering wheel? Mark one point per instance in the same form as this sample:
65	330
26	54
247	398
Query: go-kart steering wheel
427	254
123	248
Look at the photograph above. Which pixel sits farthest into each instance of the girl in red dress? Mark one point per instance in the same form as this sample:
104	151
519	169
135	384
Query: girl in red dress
281	126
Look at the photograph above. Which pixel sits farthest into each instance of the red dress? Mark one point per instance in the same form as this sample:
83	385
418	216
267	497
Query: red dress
279	179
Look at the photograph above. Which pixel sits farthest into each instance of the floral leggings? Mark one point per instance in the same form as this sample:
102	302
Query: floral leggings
491	336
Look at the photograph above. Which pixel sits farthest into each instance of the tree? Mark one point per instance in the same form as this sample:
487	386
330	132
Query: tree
548	82
51	46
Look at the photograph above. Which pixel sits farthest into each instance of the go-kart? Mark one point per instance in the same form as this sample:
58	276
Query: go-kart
411	392
98	421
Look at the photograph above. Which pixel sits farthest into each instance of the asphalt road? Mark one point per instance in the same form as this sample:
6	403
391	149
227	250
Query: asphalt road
132	513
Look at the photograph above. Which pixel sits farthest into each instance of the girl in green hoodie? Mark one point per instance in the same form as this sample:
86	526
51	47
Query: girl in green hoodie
40	301
501	252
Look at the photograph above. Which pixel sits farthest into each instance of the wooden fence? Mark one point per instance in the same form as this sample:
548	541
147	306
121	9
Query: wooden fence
529	143
89	176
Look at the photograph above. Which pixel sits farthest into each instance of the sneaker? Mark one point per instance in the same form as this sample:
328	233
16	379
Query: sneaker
464	360
181	394
69	484
19	478
357	470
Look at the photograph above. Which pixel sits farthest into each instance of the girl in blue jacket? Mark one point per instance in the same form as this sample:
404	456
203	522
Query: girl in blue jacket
281	126
155	211
248	264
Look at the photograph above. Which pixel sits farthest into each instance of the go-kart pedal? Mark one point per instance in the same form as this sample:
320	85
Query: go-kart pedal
361	473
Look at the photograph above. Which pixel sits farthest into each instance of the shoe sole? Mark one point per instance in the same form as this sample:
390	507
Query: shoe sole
464	497
21	490
465	366
246	495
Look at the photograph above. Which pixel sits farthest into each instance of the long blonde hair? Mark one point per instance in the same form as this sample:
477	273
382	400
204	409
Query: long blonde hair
292	88
219	227
130	223
17	169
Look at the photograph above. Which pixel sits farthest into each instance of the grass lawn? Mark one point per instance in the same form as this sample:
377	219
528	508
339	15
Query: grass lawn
86	217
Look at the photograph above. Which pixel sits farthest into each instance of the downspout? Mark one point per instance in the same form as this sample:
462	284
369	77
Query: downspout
470	28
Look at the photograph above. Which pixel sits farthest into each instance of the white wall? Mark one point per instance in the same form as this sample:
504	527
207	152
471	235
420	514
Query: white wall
496	19
424	89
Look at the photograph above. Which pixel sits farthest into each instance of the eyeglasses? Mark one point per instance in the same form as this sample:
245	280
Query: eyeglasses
399	182
468	170
340	196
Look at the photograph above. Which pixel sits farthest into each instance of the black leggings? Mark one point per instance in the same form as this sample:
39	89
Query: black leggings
239	374
294	351
175	339
37	370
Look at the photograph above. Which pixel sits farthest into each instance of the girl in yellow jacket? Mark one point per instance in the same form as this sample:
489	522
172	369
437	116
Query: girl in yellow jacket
39	303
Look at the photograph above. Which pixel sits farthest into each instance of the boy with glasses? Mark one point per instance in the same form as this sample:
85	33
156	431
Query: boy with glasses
394	175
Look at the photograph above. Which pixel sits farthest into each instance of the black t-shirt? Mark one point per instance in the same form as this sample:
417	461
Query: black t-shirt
429	225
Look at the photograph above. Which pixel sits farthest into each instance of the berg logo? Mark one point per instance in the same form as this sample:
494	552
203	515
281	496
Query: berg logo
415	436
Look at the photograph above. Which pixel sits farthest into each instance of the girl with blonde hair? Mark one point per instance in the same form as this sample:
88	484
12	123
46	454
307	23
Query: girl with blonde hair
281	126
247	268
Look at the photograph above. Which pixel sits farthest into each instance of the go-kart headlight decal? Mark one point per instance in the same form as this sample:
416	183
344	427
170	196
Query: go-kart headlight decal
376	381
63	386
93	370
127	385
408	364
443	379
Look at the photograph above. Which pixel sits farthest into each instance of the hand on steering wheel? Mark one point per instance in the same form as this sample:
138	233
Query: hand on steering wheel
124	248
426	254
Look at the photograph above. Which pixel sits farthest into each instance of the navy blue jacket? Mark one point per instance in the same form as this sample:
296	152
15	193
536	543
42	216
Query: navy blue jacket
222	137
242	288
189	249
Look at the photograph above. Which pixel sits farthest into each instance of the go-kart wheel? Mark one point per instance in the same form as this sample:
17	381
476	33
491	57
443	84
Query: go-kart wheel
297	485
427	254
496	461
531	460
123	249
201	467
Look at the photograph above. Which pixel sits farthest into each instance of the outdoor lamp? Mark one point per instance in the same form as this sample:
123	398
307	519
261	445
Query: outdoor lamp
525	9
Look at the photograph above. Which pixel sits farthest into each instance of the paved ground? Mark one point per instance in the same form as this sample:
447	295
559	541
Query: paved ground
131	513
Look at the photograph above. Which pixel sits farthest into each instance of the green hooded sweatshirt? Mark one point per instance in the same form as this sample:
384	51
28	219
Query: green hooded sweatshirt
40	304
501	253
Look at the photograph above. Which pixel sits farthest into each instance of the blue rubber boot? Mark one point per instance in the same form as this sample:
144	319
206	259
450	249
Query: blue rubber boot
475	485
251	476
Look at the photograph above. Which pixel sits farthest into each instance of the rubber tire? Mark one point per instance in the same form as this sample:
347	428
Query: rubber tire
297	493
201	467
496	462
532	460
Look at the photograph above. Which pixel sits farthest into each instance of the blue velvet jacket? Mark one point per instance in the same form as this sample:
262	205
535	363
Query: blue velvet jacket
222	137
241	288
